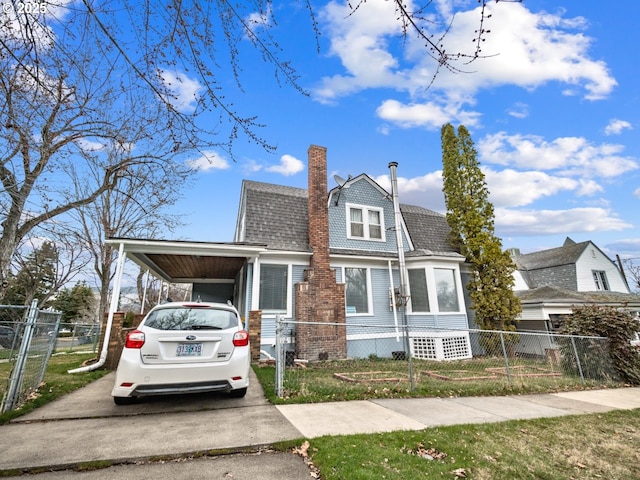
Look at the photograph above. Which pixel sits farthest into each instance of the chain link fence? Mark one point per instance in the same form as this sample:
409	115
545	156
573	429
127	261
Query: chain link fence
77	337
27	340
410	360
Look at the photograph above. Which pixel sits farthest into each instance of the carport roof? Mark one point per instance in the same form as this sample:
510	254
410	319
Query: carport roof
177	261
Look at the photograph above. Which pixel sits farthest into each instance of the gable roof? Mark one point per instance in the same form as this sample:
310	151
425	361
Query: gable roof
429	231
278	216
275	215
568	254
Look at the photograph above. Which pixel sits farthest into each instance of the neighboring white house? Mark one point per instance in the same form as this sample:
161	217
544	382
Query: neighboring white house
550	282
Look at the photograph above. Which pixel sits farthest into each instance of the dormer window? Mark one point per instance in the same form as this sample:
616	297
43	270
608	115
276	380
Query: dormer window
365	223
600	279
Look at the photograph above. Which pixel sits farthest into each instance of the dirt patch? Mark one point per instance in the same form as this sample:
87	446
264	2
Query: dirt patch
459	375
524	371
372	377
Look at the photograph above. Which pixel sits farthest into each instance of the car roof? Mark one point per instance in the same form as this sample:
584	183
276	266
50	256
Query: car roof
187	304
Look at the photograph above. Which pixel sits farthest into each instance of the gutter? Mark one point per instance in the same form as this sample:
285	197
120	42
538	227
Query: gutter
115	295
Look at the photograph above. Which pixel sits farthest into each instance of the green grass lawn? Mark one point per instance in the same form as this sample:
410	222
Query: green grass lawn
384	378
57	381
595	446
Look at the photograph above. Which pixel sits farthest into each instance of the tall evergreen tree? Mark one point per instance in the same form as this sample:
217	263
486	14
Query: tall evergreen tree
77	304
36	277
470	216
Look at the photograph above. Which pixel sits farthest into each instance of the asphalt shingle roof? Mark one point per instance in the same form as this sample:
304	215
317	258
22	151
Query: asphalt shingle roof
277	216
429	231
549	294
568	254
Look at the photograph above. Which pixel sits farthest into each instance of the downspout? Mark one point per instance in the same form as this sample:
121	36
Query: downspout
144	292
115	296
392	297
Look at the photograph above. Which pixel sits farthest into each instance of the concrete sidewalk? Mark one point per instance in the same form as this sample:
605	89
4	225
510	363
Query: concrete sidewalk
86	426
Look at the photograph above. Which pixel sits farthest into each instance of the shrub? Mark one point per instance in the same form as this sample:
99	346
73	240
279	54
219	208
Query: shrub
619	326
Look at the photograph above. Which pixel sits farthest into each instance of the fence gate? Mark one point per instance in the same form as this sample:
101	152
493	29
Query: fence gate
33	339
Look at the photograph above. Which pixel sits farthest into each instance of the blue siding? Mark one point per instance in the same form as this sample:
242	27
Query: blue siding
363	193
380	347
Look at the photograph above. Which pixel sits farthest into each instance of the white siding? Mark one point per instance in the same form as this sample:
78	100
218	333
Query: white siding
592	259
519	283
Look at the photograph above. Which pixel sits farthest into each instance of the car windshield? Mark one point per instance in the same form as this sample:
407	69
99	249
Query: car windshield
185	318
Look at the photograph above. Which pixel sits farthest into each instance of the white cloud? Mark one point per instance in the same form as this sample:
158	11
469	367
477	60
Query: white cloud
529	50
184	92
19	25
516	222
210	160
510	188
524	49
90	145
519	110
626	248
636	193
429	115
289	165
424	191
616	126
572	156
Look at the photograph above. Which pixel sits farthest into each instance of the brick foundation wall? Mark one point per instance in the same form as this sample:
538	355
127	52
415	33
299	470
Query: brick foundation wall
255	332
116	339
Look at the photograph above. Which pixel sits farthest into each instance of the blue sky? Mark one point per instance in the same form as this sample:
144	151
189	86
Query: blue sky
553	109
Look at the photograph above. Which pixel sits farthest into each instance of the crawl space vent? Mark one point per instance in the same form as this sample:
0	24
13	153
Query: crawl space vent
441	346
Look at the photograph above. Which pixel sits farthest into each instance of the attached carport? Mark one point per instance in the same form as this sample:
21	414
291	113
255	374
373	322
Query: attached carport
215	269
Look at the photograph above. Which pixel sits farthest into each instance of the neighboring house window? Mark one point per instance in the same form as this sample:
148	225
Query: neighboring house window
365	223
418	288
273	287
600	278
446	290
357	290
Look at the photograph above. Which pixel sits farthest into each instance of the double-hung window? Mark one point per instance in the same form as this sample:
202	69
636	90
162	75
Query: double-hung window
273	288
365	223
418	289
446	291
600	279
357	290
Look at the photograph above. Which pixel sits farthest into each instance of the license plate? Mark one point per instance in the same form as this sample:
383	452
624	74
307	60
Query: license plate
189	350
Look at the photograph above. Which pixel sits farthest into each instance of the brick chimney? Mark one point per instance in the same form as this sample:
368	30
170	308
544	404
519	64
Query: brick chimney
320	299
318	211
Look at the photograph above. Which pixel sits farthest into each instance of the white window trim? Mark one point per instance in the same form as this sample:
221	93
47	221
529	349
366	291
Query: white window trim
365	220
601	280
410	305
255	301
434	308
369	293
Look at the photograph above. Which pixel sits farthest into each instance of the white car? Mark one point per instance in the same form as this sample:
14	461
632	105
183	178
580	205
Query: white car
184	347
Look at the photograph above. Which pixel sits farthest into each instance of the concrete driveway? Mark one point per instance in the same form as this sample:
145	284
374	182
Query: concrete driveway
86	426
